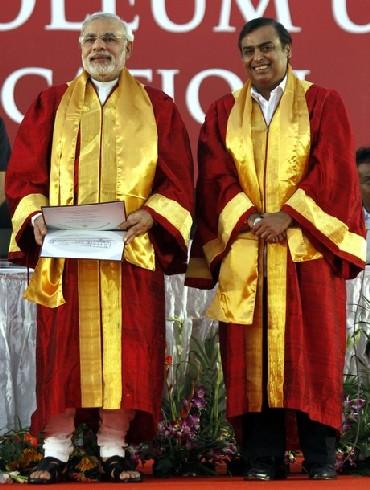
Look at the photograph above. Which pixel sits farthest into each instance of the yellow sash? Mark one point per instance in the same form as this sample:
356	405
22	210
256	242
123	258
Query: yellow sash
128	138
117	160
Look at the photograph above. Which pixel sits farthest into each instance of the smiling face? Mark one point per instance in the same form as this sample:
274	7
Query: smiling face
265	59
105	49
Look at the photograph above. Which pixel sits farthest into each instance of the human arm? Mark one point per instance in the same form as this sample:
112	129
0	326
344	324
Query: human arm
170	204
222	209
327	202
27	177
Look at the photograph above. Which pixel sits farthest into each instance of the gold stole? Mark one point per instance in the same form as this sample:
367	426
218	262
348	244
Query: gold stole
117	160
270	162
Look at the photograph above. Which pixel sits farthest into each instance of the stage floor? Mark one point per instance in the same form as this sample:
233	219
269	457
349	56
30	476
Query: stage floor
225	483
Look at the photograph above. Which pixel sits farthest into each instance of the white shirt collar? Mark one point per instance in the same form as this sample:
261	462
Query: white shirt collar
367	217
104	88
269	106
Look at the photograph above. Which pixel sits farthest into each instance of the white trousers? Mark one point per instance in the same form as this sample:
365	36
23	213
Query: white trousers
114	425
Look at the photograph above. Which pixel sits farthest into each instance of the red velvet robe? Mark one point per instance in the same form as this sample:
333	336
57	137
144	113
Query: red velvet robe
315	332
143	301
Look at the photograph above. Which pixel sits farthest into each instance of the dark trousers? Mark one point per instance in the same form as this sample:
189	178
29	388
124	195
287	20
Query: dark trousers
264	436
264	432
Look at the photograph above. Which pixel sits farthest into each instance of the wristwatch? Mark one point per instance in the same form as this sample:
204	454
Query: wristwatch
256	220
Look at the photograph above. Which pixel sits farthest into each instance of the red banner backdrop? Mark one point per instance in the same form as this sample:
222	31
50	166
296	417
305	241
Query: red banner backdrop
188	48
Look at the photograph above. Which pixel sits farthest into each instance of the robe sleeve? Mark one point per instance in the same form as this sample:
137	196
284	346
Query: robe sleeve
27	177
327	203
171	200
218	224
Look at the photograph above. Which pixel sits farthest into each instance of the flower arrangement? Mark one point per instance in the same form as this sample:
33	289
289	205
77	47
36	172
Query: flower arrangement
193	436
353	453
19	452
84	464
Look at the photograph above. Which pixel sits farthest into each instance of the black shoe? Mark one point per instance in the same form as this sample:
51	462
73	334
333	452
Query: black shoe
267	468
318	471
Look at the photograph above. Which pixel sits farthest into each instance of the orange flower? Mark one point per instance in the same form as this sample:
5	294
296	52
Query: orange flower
32	440
86	464
29	456
168	361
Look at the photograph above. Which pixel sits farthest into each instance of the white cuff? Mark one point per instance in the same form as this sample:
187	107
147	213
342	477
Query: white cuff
34	217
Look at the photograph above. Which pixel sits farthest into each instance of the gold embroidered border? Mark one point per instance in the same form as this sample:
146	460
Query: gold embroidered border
26	206
198	269
234	300
90	334
330	226
227	221
300	247
179	217
110	292
276	292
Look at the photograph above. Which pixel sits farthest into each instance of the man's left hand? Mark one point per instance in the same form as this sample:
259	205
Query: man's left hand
137	223
272	226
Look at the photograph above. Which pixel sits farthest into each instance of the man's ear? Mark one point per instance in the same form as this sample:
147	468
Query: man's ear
288	48
129	49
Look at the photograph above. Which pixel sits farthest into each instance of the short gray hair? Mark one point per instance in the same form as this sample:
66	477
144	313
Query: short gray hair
106	15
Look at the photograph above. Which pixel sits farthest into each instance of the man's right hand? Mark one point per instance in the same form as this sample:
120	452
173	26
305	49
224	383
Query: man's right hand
39	229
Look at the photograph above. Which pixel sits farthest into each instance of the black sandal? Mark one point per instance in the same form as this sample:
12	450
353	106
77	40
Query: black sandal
53	466
115	465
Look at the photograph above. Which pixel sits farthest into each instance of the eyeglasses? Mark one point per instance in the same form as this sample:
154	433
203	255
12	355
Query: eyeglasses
107	38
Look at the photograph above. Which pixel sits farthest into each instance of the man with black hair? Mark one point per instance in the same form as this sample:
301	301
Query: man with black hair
279	228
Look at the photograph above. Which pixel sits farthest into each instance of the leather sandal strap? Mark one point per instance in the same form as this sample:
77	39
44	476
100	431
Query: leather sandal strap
51	465
115	465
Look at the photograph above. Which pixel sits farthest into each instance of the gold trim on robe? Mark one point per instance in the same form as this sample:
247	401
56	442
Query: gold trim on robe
179	217
198	268
227	221
27	205
330	226
270	162
117	161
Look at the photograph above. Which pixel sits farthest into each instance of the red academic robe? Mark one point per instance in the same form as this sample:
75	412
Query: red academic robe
143	300
315	332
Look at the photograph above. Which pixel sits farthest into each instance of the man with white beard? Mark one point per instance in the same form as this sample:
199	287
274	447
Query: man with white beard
102	137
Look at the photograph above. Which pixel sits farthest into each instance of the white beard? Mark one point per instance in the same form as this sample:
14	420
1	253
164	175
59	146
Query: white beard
108	68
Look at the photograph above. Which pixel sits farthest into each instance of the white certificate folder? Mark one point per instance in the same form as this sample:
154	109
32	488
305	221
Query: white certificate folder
87	231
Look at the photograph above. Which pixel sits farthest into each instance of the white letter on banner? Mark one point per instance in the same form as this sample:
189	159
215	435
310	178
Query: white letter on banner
25	12
58	19
249	12
192	92
7	92
168	81
301	74
142	73
341	17
161	17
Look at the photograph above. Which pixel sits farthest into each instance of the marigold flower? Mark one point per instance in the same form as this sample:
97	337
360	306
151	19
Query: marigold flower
28	456
30	439
86	464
